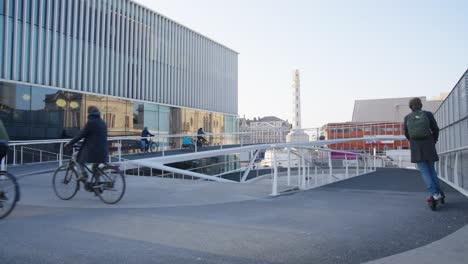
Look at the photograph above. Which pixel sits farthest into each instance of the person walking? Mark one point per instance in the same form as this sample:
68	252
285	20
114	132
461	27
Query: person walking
423	133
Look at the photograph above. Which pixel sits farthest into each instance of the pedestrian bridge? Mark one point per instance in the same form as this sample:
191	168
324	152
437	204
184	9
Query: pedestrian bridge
341	213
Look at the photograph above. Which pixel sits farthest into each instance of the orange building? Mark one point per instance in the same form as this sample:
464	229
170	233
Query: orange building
358	130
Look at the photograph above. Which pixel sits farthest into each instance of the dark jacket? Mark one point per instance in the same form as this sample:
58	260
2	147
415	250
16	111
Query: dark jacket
423	150
94	148
145	133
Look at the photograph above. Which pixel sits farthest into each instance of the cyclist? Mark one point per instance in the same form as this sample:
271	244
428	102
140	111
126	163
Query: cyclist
3	150
200	138
145	134
94	148
3	141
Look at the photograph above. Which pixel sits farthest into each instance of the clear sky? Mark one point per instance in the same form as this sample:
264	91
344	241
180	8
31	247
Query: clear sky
345	50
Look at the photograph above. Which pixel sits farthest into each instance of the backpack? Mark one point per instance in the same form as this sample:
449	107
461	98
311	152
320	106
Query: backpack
418	125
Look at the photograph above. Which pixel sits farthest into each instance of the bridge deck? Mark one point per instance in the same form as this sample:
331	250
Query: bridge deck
362	219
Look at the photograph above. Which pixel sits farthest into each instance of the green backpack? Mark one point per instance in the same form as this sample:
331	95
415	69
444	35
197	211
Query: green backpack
418	125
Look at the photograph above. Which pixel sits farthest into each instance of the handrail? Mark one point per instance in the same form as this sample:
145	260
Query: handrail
47	141
454	150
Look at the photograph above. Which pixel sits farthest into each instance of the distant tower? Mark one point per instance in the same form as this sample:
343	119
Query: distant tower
296	134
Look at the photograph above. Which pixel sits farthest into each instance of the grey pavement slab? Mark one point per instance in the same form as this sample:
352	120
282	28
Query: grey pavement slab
354	221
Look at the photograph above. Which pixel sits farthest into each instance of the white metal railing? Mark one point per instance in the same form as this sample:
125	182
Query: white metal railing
442	166
302	149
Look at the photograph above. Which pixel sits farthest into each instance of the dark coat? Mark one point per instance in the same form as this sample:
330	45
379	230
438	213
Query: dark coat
423	150
145	133
94	148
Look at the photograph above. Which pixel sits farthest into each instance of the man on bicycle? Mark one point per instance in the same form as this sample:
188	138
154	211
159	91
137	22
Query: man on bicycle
3	150
94	148
200	138
3	141
145	134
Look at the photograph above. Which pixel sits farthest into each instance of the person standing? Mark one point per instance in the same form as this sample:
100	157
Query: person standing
423	133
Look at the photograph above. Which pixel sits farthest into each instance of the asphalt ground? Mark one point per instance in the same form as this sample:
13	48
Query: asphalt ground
361	219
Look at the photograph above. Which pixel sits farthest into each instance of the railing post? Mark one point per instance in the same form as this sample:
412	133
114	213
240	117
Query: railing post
440	166
289	167
346	166
120	150
446	166
61	154
274	190
40	156
14	155
357	165
316	181
330	166
299	173
365	165
21	154
455	171
303	183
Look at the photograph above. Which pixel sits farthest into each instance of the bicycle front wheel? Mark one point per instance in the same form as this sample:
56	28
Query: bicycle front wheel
64	182
109	184
9	193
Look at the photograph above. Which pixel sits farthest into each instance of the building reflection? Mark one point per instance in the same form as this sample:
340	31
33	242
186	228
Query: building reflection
31	112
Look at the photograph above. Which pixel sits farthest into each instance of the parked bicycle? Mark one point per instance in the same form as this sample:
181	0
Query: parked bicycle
9	193
108	181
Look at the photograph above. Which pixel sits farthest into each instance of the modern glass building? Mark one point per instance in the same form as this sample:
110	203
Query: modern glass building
57	57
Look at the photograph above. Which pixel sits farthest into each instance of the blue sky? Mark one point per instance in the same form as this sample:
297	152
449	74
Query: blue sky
345	50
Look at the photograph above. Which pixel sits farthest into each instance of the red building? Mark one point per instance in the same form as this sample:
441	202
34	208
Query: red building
358	130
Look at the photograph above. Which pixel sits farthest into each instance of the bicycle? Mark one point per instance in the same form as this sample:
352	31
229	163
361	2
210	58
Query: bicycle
9	193
150	147
108	181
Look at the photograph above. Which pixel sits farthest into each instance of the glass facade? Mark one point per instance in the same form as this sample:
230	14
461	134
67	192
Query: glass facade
31	112
140	68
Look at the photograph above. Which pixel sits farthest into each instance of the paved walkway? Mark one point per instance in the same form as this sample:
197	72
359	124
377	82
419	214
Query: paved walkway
363	219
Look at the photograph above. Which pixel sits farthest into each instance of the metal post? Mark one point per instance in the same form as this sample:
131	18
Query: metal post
440	166
14	155
455	171
446	166
357	166
399	161
303	183
316	181
289	166
61	154
274	190
365	165
40	156
299	173
120	150
346	166
330	165
138	170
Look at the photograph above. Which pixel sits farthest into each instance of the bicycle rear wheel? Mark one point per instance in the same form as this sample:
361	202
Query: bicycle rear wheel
153	147
9	193
64	182
109	184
